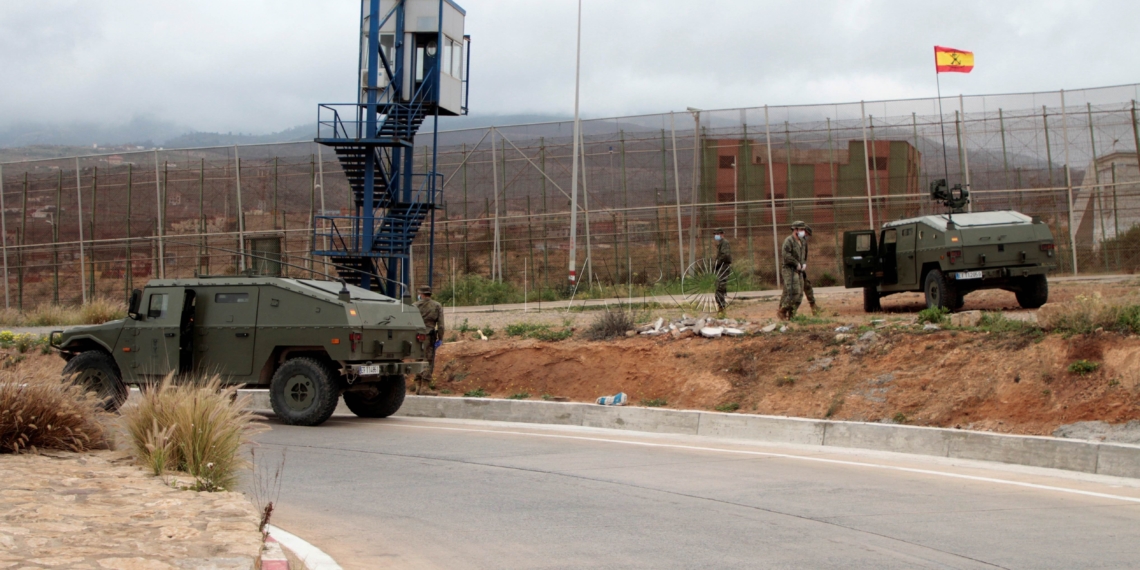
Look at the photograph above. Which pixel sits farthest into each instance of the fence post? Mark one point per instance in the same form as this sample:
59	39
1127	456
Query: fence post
129	281
496	265
1069	182
965	152
23	239
696	175
94	204
1004	155
79	218
55	237
677	187
772	194
1048	148
867	166
545	248
240	212
833	174
1099	189
4	239
160	210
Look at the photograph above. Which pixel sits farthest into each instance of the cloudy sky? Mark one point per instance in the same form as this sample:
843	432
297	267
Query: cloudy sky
260	66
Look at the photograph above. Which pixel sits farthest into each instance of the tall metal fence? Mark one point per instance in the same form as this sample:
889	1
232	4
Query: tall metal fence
652	190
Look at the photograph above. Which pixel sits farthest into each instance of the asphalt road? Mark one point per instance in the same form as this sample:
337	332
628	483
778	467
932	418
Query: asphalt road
418	493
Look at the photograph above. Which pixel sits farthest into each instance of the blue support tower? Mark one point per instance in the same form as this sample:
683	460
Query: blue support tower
414	59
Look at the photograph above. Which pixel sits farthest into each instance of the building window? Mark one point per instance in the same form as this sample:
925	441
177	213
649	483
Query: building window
877	162
727	161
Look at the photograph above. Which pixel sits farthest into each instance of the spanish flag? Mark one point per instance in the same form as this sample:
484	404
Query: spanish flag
950	60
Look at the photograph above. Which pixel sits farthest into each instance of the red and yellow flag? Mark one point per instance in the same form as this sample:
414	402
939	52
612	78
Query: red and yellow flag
950	60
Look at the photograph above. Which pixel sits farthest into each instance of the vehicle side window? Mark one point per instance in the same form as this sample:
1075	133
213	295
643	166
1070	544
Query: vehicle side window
890	236
159	305
863	243
231	297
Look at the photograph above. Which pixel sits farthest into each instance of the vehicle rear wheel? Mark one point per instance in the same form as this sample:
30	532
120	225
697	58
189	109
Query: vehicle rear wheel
95	370
378	400
871	300
304	392
1034	292
940	292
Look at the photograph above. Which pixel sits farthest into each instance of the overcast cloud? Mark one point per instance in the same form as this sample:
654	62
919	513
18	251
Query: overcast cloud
262	66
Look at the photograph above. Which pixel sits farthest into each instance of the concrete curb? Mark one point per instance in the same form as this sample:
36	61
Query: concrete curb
1120	460
313	557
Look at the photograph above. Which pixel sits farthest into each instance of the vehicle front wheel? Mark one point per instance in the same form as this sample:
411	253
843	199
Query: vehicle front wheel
1033	293
940	292
304	392
96	371
871	300
378	400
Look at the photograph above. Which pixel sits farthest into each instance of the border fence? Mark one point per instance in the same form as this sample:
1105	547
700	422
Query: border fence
653	189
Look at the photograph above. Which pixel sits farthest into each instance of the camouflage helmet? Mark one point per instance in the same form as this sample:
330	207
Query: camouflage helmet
424	290
718	231
798	225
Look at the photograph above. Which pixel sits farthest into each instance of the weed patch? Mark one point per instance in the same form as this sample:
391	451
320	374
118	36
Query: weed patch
654	403
728	407
934	315
519	396
476	393
610	324
1082	367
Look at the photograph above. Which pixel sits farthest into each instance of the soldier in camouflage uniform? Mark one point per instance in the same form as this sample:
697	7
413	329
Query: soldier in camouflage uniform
723	267
432	313
808	291
792	270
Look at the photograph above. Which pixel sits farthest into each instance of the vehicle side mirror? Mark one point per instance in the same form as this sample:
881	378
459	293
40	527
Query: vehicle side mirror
133	305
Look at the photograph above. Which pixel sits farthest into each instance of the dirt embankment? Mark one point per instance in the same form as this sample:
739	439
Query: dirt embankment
1009	382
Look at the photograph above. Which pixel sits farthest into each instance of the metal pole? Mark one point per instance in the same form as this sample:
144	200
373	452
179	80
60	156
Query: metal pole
129	281
833	175
677	187
735	198
1135	139
1004	156
22	240
496	264
1099	189
56	218
1068	182
965	152
574	157
4	239
1048	148
202	215
94	207
867	167
321	185
158	215
589	261
240	212
696	174
772	195
82	257
792	213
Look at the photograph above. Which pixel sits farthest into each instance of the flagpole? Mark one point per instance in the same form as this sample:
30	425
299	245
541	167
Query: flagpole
941	122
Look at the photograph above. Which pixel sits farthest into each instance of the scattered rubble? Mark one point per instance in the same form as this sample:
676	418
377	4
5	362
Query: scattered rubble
966	319
931	327
706	326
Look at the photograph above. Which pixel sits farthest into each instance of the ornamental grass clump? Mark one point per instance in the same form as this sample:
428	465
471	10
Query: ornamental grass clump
195	427
40	410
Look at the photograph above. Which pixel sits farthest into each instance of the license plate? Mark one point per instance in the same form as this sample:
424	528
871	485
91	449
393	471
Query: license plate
968	275
370	370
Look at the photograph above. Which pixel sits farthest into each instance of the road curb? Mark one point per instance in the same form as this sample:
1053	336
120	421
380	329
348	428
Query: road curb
1116	459
313	557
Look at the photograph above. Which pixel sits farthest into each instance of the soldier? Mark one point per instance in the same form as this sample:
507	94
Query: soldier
792	269
808	291
723	266
432	313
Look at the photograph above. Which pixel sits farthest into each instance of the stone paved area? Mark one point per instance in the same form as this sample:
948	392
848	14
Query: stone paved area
97	510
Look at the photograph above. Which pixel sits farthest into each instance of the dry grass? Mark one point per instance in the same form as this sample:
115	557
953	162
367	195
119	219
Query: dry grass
39	410
610	324
1087	313
99	310
195	427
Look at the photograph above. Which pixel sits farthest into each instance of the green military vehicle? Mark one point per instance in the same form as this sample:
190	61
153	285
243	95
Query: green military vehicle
948	256
307	341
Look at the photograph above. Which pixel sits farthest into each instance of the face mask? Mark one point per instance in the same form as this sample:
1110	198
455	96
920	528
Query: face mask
419	297
717	238
802	234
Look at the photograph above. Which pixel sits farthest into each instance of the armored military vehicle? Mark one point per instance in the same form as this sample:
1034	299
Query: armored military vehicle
308	341
949	255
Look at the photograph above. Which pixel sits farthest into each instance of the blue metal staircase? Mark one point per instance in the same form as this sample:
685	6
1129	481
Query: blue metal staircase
374	142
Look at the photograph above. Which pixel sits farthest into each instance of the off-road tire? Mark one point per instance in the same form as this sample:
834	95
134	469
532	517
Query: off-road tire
940	292
96	370
378	400
304	392
871	300
1033	293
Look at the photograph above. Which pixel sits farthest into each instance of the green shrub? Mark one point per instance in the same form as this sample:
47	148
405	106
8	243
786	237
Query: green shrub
935	315
728	407
195	427
519	396
654	403
899	418
1086	313
1082	367
476	393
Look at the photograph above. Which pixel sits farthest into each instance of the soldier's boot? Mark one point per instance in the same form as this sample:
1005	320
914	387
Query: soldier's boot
816	310
782	314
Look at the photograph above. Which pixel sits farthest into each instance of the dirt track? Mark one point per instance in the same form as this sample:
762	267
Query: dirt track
1008	382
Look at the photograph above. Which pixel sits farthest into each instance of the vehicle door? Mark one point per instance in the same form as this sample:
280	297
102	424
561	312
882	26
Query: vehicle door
860	259
157	334
226	323
905	256
888	251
